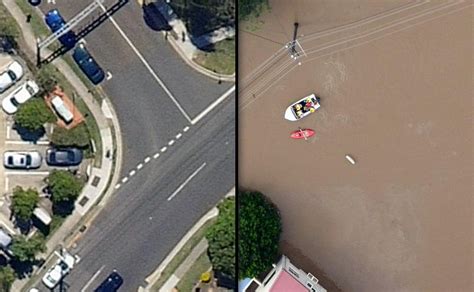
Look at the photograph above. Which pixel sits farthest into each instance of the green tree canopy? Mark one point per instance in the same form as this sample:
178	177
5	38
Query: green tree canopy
46	78
33	114
221	239
24	202
7	276
259	234
64	186
25	250
251	8
77	136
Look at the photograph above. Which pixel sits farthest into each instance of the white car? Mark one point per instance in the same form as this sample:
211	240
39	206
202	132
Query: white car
23	93
61	109
24	160
59	271
8	77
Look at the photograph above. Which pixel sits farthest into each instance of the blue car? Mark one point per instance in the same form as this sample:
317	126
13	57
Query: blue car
88	65
55	22
111	284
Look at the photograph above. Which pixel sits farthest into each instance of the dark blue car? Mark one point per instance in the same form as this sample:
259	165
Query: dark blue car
55	22
64	156
111	284
88	65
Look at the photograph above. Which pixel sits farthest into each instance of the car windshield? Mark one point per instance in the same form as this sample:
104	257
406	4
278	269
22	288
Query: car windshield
30	89
28	160
10	160
12	74
14	102
51	279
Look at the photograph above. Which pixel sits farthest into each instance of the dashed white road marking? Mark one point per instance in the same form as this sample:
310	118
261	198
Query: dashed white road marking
124	180
109	75
147	159
171	142
140	56
186	129
213	105
156	155
163	149
92	279
117	186
179	136
186	182
8	131
132	173
140	166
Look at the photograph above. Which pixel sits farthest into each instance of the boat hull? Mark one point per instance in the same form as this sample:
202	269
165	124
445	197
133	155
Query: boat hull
302	108
301	134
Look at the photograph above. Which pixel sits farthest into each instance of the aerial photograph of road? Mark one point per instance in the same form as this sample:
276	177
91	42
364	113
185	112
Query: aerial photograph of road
131	105
355	121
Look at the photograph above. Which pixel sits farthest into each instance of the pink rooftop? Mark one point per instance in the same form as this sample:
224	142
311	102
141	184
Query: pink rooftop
285	282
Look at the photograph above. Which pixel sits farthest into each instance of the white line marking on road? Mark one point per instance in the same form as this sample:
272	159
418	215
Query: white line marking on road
213	105
6	184
140	56
140	166
186	129
179	136
171	142
147	159
132	173
27	142
25	172
117	186
163	149
156	155
124	180
186	182
8	131
92	279
109	75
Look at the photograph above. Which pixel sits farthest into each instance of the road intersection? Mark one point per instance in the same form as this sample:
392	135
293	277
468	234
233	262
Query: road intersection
178	129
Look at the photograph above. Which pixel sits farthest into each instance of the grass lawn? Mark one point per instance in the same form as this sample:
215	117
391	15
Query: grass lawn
201	265
221	60
182	254
8	25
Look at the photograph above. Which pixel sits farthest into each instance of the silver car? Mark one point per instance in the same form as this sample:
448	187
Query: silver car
12	74
22	159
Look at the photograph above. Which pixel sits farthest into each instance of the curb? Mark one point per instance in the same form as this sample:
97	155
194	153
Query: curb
153	277
200	69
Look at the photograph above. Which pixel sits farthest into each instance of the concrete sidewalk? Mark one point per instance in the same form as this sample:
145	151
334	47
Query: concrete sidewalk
187	263
186	47
99	178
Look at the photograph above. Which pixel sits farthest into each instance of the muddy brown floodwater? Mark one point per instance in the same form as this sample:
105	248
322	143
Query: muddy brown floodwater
397	93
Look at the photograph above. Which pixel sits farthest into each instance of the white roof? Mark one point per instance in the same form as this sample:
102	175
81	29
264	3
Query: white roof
61	109
42	215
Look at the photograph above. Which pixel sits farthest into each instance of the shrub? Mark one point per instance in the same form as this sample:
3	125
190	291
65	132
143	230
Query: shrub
77	136
33	114
64	186
24	202
221	239
259	234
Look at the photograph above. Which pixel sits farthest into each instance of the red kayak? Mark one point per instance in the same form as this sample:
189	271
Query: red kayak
302	134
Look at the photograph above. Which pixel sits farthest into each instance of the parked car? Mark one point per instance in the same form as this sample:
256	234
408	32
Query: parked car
12	74
63	156
88	65
23	93
111	284
55	22
59	271
24	160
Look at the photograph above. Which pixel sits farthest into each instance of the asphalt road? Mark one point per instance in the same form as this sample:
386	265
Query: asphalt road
140	226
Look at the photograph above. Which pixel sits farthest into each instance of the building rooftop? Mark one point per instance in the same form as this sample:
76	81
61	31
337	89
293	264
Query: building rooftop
285	282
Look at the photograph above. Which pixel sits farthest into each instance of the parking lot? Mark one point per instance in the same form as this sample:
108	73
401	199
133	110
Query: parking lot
15	139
